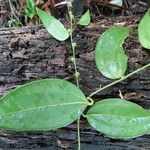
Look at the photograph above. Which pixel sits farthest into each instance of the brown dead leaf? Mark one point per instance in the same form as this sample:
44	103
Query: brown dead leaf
63	144
132	95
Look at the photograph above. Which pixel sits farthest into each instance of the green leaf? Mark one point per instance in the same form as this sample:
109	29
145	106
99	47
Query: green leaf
13	23
144	30
85	19
119	118
41	105
109	54
30	8
53	26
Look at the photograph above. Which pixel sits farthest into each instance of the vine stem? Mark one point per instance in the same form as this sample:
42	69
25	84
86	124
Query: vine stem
117	81
73	46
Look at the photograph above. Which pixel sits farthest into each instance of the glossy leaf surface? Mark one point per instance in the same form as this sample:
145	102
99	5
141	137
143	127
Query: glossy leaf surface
144	30
119	118
30	8
53	26
109	54
41	105
85	19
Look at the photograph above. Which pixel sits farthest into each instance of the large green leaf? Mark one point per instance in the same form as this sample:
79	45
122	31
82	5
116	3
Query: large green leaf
119	118
85	19
53	26
109	54
30	8
41	105
144	30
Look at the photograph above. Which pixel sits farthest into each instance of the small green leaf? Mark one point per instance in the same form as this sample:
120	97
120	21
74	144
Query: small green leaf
119	118
41	105
144	30
109	54
85	19
53	26
13	23
30	8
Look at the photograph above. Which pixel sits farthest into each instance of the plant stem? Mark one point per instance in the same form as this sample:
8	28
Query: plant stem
74	57
73	46
78	130
117	81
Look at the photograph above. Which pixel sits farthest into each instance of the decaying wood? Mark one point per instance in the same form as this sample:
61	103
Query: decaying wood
30	53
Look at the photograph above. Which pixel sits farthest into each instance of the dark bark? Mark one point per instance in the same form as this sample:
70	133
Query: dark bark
30	53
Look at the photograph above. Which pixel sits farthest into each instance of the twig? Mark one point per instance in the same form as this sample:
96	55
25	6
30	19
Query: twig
12	11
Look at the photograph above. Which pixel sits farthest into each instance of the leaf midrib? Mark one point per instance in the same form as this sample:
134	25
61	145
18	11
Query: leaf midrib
118	115
41	107
45	129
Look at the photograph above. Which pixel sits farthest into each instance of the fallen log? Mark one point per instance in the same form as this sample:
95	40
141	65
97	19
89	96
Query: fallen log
30	53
